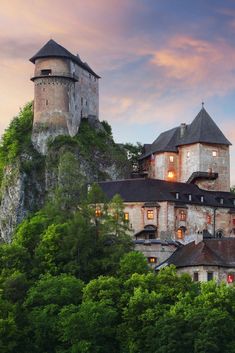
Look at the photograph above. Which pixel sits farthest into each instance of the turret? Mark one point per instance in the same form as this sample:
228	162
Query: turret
65	90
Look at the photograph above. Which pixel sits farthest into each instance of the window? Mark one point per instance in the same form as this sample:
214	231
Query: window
209	276
214	153
152	260
202	198
180	233
230	278
177	196
188	154
182	216
171	174
190	197
208	219
98	212
150	214
81	100
221	201
171	159
46	101
46	72
195	276
126	216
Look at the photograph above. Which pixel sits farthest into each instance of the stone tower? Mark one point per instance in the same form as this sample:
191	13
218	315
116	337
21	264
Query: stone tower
65	91
197	153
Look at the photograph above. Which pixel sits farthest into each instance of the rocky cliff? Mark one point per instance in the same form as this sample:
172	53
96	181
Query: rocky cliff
28	178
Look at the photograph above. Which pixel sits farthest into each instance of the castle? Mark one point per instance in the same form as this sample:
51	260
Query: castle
181	192
66	90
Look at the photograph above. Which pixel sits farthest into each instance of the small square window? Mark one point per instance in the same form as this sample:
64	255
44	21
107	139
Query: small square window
150	214
195	276
214	153
126	216
182	216
180	233
230	277
171	174
208	219
98	212
171	158
209	276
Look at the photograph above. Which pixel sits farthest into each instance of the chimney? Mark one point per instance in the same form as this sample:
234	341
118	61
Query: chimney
182	129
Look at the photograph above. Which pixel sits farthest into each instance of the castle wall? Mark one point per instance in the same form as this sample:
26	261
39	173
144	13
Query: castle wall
168	219
163	164
189	161
219	273
218	164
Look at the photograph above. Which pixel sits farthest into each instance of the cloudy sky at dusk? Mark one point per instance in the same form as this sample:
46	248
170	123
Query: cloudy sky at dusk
158	59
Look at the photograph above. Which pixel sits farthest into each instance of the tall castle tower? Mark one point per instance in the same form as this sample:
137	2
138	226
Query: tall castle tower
65	91
197	153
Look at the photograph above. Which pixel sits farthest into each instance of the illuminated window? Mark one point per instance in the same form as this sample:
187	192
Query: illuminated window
171	174
180	233
126	216
209	276
152	260
230	278
188	154
98	212
214	153
150	214
171	158
190	197
182	216
208	219
196	276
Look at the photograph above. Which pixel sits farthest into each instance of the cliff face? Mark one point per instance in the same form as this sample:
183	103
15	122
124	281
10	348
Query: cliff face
28	178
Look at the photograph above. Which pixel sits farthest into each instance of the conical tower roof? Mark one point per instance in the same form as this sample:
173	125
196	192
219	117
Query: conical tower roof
53	49
203	129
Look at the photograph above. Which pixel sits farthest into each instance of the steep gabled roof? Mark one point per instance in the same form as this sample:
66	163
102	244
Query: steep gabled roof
155	190
209	252
53	49
202	130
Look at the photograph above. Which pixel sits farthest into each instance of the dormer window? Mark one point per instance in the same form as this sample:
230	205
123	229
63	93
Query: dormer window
177	195
46	72
221	201
202	198
190	197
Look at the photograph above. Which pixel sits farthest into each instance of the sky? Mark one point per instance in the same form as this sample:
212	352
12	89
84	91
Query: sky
158	59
